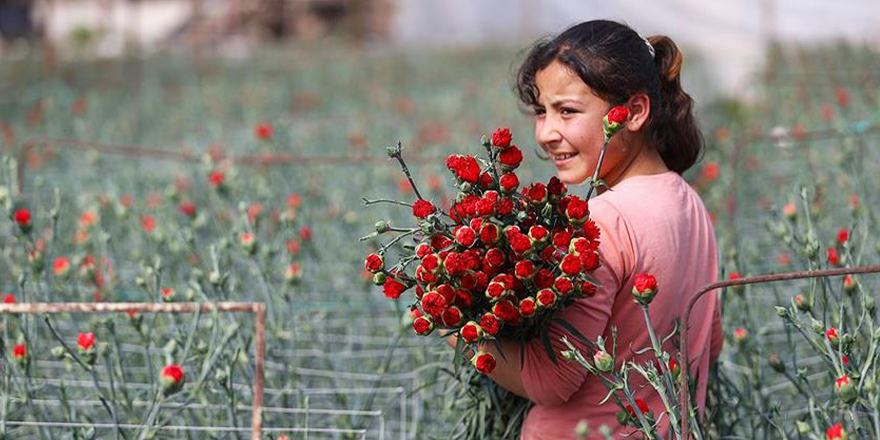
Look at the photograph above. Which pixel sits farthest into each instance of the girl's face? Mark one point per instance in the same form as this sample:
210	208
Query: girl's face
568	125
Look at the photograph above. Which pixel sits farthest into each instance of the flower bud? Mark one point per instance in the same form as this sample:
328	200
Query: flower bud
614	120
471	332
19	352
172	379
849	284
803	428
603	361
644	288
776	363
833	337
484	362
817	326
740	336
801	303
167	294
845	389
248	243
781	312
382	226
836	432
374	263
423	325
379	278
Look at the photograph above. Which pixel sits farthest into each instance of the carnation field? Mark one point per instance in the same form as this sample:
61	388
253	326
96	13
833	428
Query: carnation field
174	180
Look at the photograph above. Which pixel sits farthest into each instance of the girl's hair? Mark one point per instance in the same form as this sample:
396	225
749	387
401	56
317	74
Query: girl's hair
616	63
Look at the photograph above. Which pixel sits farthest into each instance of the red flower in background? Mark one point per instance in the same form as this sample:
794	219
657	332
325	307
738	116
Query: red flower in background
305	233
9	299
216	178
264	131
19	351
187	208
85	341
643	408
22	218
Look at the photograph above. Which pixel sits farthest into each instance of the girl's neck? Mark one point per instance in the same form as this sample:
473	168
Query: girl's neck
646	161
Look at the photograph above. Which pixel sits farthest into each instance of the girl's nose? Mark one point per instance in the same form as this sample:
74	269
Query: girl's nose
547	133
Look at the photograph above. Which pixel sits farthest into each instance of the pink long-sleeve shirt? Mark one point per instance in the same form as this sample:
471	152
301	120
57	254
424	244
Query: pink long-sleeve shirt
653	224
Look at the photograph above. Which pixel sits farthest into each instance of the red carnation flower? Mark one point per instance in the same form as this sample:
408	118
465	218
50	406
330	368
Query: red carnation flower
305	233
524	270
19	352
591	231
374	263
544	279
577	211
485	207
468	169
495	290
504	207
833	336
447	292
22	218
561	239
9	299
423	208
484	362
263	131
833	257
423	250
216	178
471	332
546	298
172	379
563	285
85	341
538	233
486	180
588	289
571	265
187	208
489	324
423	325
506	311
465	236
589	260
510	158
644	288
451	317
618	115
490	233
440	242
643	408
536	193
842	235
509	183
836	432
433	303
520	243
494	257
392	288
527	306
502	137
556	188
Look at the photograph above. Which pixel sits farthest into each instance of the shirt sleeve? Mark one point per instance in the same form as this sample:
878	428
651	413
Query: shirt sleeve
550	384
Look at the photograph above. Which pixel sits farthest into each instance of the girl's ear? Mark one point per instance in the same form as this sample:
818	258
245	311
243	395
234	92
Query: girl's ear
640	109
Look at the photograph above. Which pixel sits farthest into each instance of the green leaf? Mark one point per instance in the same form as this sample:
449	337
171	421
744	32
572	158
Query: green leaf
574	331
456	360
548	347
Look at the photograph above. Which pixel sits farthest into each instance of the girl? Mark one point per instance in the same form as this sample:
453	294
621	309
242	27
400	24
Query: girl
651	221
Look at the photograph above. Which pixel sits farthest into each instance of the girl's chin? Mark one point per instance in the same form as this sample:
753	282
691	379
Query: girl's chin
572	177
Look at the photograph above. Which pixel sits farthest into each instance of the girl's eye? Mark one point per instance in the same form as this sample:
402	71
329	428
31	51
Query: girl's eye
568	111
538	111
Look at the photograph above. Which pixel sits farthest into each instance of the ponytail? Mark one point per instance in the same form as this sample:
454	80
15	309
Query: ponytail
674	129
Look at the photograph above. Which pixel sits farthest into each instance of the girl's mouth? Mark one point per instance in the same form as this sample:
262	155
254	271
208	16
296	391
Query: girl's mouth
562	158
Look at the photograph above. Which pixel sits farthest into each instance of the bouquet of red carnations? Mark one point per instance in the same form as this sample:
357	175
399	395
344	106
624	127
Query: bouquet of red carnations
502	259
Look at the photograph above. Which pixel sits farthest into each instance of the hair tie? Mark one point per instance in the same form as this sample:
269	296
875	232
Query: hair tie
650	47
